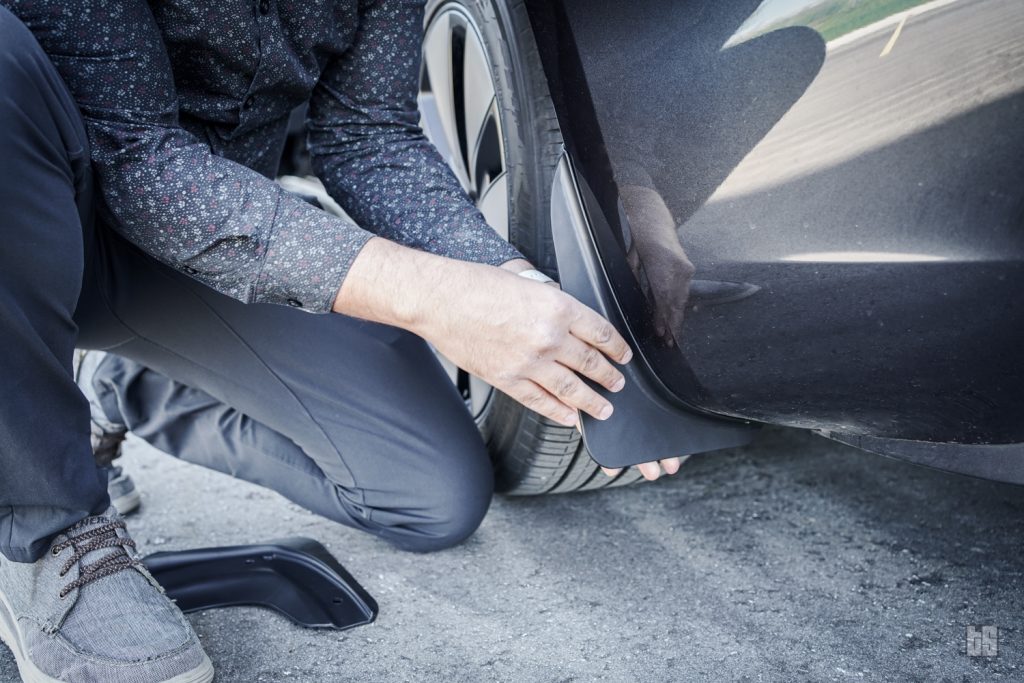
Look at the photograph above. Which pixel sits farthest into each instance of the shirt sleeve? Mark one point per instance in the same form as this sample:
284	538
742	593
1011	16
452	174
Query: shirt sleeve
226	225
369	151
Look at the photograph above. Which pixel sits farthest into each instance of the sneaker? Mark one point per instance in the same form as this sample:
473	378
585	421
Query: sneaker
89	611
106	442
123	495
106	436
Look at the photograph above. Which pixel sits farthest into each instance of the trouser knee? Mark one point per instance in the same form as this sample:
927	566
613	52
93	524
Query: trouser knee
449	522
429	513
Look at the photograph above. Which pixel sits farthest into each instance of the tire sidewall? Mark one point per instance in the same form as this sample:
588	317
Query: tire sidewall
528	185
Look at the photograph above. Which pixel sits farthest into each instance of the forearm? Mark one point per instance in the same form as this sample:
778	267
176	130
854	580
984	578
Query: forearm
396	285
517	265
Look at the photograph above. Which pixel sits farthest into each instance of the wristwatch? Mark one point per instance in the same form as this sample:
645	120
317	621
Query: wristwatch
534	274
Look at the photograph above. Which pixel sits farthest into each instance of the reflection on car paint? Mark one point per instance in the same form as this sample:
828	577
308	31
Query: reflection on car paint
859	162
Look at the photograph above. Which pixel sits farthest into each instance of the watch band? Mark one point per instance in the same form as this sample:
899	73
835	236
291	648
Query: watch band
534	274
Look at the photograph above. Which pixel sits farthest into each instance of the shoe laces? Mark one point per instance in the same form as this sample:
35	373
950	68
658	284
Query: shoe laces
98	538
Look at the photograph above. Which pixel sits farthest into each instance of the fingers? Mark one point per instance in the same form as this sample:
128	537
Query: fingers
567	387
591	363
649	470
539	400
671	465
598	332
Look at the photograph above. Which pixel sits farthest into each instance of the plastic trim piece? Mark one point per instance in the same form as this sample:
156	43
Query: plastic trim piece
648	424
995	462
297	577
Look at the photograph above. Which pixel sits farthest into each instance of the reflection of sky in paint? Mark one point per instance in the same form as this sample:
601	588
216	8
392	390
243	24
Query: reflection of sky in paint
769	12
831	18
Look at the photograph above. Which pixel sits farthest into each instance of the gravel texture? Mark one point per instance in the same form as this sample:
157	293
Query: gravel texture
792	559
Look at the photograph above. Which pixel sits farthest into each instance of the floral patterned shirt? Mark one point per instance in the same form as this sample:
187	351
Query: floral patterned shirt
187	102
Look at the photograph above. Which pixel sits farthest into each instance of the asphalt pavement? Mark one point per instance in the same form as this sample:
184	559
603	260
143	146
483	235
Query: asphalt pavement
792	559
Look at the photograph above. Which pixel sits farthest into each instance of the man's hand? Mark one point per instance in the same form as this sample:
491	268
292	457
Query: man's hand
527	339
650	470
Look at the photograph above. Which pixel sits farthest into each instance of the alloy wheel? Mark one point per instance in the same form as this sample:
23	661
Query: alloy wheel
459	114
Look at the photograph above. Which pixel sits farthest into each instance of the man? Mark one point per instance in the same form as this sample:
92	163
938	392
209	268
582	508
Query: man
175	249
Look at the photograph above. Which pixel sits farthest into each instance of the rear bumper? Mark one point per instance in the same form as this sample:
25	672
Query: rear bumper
998	462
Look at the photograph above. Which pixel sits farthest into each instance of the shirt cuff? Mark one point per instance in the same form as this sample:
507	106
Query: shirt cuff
308	256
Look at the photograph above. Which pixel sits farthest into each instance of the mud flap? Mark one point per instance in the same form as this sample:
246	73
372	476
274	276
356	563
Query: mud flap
297	577
648	423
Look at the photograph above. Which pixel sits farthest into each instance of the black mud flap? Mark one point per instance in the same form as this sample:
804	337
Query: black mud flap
648	423
297	577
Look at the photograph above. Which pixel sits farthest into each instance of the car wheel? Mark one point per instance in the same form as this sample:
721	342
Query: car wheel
485	105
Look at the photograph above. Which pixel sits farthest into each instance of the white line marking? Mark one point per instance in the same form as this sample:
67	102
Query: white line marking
895	34
881	24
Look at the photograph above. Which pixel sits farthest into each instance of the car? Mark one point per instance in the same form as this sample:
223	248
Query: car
806	213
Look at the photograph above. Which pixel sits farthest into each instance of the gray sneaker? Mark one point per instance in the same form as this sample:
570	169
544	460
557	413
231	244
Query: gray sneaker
89	611
106	436
123	495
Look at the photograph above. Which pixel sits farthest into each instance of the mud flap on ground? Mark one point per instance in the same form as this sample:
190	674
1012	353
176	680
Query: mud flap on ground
297	577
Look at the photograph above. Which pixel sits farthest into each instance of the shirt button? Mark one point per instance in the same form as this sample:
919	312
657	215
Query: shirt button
264	6
294	303
249	101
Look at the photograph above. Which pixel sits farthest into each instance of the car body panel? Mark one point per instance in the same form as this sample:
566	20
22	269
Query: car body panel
649	423
822	203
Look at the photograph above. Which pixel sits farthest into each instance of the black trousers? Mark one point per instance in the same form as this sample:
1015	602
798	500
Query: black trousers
353	420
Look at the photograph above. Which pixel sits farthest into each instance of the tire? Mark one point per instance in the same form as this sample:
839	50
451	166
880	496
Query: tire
531	455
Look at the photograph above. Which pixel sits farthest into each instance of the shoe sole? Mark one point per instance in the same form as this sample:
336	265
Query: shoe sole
30	673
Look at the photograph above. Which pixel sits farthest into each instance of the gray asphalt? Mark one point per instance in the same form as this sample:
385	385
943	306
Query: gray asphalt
792	559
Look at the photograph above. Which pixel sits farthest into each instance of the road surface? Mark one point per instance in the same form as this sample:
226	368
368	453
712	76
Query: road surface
792	559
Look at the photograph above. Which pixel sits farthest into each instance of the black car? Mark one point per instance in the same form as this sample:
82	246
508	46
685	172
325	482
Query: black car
800	212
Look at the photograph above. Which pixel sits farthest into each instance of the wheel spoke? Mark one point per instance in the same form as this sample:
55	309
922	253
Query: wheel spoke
459	113
478	97
479	392
437	60
450	368
494	204
430	122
